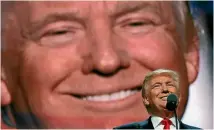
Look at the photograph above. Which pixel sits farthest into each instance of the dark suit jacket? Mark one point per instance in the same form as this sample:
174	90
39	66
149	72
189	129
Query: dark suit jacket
147	124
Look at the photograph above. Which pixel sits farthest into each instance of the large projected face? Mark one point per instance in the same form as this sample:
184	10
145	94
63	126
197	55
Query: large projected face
81	64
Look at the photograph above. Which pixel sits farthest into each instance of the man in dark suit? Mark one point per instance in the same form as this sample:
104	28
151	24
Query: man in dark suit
156	87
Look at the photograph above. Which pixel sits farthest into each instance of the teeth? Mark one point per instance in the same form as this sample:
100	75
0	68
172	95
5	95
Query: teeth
111	97
164	98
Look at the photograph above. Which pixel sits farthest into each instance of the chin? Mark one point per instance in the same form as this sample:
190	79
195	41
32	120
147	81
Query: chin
99	120
106	122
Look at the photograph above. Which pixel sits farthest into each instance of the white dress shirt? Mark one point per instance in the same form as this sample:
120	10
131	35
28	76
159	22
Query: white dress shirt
156	122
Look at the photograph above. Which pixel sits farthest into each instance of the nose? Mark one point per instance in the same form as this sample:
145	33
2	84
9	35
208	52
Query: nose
105	57
165	89
106	60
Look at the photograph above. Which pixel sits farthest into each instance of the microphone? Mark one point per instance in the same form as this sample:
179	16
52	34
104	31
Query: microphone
172	102
171	105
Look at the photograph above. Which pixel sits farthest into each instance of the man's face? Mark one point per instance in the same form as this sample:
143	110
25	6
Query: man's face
82	62
157	91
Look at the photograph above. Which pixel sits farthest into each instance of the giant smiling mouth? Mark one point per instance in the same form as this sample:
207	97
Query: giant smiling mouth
119	95
113	99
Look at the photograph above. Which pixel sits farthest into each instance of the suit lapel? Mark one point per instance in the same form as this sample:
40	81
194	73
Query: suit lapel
150	125
147	124
182	125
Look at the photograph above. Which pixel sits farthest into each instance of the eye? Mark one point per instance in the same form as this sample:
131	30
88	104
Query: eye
156	86
61	36
171	85
58	37
135	24
59	32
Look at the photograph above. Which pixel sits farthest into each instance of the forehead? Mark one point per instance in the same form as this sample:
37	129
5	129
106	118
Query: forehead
39	9
161	78
109	5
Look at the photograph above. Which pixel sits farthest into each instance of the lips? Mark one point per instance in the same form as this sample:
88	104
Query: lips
164	98
108	100
113	96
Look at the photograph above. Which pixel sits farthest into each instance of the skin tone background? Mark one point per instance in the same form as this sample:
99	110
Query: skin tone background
65	48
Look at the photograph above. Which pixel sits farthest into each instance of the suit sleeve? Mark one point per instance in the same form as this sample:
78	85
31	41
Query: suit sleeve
128	126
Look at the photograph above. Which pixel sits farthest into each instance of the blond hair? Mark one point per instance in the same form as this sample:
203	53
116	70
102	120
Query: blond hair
174	75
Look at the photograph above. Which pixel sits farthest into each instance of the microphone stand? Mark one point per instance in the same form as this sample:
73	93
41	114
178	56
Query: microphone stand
171	105
176	119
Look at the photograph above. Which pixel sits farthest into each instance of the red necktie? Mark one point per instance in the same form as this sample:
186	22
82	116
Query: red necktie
166	122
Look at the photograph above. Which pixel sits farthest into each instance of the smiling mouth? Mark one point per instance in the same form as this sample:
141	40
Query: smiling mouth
164	98
109	96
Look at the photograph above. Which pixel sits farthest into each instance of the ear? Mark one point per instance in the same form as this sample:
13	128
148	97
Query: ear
192	52
179	99
146	101
5	95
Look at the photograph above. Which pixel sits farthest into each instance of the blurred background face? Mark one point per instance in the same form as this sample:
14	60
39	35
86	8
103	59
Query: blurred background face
82	62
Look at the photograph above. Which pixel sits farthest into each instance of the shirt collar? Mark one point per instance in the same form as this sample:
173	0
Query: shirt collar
157	120
173	120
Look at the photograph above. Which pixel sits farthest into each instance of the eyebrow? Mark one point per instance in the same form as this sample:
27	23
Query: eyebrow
159	83
53	17
169	82
129	7
121	9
